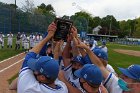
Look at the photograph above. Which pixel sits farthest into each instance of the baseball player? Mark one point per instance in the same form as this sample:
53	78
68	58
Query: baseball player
26	44
103	56
32	37
38	38
90	78
71	64
94	43
1	40
23	36
18	41
39	74
10	40
114	84
103	46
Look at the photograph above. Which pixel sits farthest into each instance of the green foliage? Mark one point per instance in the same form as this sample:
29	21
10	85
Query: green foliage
96	21
137	27
111	24
49	8
85	21
81	23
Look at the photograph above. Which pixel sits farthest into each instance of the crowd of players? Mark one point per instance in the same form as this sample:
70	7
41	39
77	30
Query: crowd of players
22	40
73	67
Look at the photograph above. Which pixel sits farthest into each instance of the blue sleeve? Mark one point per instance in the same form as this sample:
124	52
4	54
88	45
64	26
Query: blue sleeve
43	50
87	59
27	57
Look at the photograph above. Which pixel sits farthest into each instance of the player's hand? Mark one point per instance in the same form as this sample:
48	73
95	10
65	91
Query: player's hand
61	76
51	29
82	45
74	32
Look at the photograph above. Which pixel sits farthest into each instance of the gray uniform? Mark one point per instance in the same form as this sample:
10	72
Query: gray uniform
10	40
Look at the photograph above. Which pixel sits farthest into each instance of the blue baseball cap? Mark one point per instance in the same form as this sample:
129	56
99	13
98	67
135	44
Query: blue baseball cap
104	42
132	72
45	65
100	53
78	59
90	73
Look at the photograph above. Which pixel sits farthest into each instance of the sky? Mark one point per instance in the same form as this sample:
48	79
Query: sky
120	9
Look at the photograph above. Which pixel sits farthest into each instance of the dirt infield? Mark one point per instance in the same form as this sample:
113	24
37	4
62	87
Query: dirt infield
8	69
128	52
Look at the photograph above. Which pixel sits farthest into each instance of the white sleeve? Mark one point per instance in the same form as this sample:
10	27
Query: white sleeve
110	69
26	80
67	71
96	43
111	84
62	84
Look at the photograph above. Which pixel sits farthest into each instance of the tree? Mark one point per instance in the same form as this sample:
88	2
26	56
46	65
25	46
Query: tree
137	28
96	21
81	23
124	28
28	7
49	8
111	24
87	18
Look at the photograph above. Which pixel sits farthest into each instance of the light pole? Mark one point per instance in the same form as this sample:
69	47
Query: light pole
110	26
15	4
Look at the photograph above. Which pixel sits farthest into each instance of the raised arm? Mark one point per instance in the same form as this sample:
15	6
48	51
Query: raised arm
51	31
81	50
94	59
74	35
66	53
57	49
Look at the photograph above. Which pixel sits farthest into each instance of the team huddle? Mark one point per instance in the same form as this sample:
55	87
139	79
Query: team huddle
73	67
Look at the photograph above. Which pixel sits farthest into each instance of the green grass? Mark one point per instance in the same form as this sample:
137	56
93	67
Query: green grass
122	60
8	52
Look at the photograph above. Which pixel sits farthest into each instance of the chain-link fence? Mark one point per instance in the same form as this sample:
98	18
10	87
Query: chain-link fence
14	21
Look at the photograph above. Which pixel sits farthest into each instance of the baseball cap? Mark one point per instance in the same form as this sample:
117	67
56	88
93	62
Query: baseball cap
100	53
104	42
78	59
90	73
132	72
45	65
